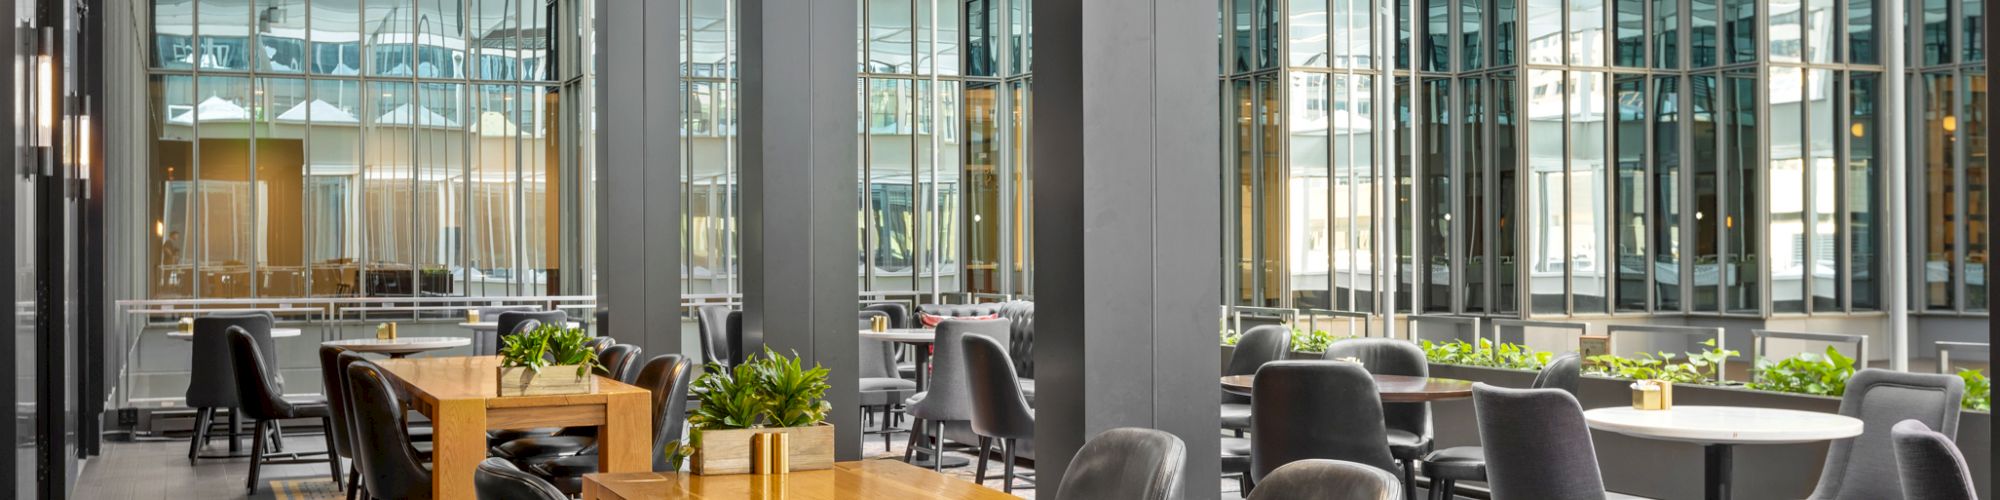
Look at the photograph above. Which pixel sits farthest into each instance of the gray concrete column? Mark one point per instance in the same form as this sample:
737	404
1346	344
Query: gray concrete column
1895	150
1127	204
638	171
799	249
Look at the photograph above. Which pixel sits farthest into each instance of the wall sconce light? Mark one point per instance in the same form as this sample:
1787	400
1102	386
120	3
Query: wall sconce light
1950	123
1858	130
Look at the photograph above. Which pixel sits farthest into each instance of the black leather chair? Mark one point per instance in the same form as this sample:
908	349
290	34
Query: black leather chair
1448	466
1127	463
1260	345
498	479
998	409
1930	465
1865	466
618	360
390	465
509	323
721	335
1409	423
667	376
880	387
1539	445
265	403
949	398
1316	409
1320	478
333	385
212	377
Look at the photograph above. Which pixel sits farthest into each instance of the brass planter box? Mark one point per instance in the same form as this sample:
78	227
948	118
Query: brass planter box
729	451
553	380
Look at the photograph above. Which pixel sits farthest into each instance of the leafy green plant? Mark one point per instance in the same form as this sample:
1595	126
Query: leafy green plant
549	345
677	454
1978	390
1484	353
1703	367
1806	373
1229	337
730	397
1313	341
767	390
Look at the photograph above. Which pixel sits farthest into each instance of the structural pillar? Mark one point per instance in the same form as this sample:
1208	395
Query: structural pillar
1895	150
639	171
1128	271
800	294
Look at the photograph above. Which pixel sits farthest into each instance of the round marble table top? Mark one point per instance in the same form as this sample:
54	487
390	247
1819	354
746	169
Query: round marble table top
1392	388
276	333
905	335
489	326
1724	424
400	345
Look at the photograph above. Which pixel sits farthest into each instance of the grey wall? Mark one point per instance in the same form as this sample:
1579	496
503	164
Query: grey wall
638	171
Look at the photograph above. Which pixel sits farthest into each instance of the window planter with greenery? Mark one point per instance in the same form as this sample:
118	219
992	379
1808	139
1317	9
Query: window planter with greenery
547	360
771	393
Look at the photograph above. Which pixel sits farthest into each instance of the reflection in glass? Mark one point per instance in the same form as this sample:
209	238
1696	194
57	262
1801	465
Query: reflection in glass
1587	205
1547	199
440	40
1504	15
387	32
170	209
1308	24
1820	31
1242	29
333	187
1406	268
1666	34
1973	15
1936	18
225	35
1864	190
1505	150
1473	192
1437	35
889	38
535	34
1630	48
982	188
1470	18
1702	38
226	195
540	204
281	33
386	183
336	37
173	34
1355	171
496	35
1246	192
1978	239
441	193
1438	193
1739	215
1545	28
1739	24
1940	199
1309	229
1271	179
1861	45
1825	251
1707	273
1790	245
1629	218
1668	116
945	49
280	162
1586	32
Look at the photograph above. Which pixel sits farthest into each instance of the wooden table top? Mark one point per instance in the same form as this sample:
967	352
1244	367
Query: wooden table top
476	377
867	479
1393	388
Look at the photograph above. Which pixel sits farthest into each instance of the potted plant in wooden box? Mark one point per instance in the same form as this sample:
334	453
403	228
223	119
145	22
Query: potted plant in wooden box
548	359
766	394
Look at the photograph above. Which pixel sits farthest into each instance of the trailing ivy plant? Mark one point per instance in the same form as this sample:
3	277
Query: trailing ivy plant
1806	373
1978	390
549	345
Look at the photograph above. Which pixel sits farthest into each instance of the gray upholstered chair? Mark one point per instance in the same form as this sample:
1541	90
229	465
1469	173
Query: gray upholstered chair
1316	409
1930	464
1260	345
390	466
1448	466
667	376
1409	423
498	479
721	335
1864	467
212	378
1539	444
508	322
1126	463
899	314
880	387
999	411
1319	478
949	397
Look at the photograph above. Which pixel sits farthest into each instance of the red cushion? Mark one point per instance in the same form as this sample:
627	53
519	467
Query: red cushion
932	320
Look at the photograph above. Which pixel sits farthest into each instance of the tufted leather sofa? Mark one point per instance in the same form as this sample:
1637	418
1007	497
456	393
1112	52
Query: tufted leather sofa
1020	332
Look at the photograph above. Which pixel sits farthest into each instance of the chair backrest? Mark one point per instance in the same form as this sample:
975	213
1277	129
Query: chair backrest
389	466
1562	372
1259	345
1864	467
950	397
998	408
257	392
1537	444
617	362
721	334
509	321
899	314
333	386
1391	357
667	375
1321	478
498	479
211	377
1931	466
1126	464
1316	409
878	359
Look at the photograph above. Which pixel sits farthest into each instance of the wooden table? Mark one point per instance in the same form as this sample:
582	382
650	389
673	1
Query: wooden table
867	479
400	346
1393	388
460	395
1718	429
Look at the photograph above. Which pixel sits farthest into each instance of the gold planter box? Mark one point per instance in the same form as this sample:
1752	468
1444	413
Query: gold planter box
729	451
1662	399
553	380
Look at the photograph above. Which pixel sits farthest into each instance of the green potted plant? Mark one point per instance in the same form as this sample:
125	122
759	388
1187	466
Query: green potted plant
771	393
547	360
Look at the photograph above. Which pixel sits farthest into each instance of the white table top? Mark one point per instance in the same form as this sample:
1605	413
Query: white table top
909	335
495	325
275	333
1724	424
400	344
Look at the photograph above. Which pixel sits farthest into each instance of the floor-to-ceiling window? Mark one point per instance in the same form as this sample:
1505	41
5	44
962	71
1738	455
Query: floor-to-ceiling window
1948	166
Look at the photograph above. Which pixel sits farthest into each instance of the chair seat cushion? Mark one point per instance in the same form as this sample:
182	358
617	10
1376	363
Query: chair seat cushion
876	384
1236	416
527	448
1405	445
1462	463
309	408
1235	446
1235	455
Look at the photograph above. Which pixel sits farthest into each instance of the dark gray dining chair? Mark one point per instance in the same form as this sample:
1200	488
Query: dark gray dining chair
1864	467
949	397
332	385
880	386
509	322
1930	464
1311	409
899	314
1539	445
721	331
1409	423
667	377
498	479
264	402
212	377
1262	344
1320	478
999	411
390	465
1127	463
616	362
1448	466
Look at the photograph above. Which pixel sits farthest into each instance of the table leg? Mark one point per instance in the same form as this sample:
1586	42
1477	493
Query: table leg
923	365
625	441
459	443
1718	463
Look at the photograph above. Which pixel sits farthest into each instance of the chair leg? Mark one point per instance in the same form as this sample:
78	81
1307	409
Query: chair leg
234	427
202	419
887	428
985	447
256	453
332	458
910	451
277	436
353	480
937	448
1410	479
1441	489
1007	445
